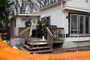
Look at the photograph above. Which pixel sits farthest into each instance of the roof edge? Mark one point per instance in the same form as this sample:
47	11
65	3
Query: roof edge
51	5
24	15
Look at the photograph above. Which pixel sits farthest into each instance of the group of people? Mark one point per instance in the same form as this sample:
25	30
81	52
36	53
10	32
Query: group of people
40	28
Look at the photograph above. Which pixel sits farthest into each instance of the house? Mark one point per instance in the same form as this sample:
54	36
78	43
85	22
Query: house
19	21
74	17
69	20
17	25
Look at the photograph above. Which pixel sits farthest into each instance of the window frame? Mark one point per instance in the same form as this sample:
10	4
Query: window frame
83	24
70	24
78	20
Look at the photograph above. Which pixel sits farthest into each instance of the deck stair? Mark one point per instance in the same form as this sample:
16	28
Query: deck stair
37	45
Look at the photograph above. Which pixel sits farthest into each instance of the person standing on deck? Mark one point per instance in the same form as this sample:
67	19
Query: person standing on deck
39	29
45	23
33	29
28	23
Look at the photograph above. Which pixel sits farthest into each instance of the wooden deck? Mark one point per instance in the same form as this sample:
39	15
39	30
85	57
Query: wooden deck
61	41
36	45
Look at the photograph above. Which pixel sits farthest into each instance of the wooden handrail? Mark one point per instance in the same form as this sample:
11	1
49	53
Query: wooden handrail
54	34
22	32
58	33
49	38
48	30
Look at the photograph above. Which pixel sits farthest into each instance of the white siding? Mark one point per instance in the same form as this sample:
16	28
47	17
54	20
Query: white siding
16	31
80	5
18	22
65	22
56	15
78	39
71	44
21	23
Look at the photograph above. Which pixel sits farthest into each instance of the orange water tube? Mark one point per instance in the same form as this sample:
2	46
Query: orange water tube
9	53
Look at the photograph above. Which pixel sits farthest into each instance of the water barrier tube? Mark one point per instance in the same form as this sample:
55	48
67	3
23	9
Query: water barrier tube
9	53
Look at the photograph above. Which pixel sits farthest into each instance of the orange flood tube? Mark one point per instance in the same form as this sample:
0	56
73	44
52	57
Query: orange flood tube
9	53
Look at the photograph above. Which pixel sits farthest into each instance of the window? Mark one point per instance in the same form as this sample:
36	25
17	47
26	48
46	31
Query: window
73	24
79	24
87	24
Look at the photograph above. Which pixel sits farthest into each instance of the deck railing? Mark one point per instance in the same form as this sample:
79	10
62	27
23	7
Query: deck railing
23	32
49	38
58	33
55	35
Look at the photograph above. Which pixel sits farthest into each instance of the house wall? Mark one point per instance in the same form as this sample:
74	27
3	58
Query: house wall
11	28
71	44
56	15
20	22
65	18
60	19
80	5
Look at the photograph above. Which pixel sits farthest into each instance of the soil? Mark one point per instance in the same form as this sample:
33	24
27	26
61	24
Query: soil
75	49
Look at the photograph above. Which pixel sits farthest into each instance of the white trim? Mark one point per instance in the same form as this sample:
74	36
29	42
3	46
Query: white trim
76	9
29	14
70	23
78	26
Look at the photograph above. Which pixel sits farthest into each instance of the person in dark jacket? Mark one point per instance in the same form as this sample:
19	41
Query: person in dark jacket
45	23
39	29
28	23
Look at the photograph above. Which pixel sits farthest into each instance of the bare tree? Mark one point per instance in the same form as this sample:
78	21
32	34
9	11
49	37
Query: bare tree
43	3
28	6
23	7
19	7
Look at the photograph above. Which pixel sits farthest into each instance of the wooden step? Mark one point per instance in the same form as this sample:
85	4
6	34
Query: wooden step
26	46
42	51
37	39
22	48
36	43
